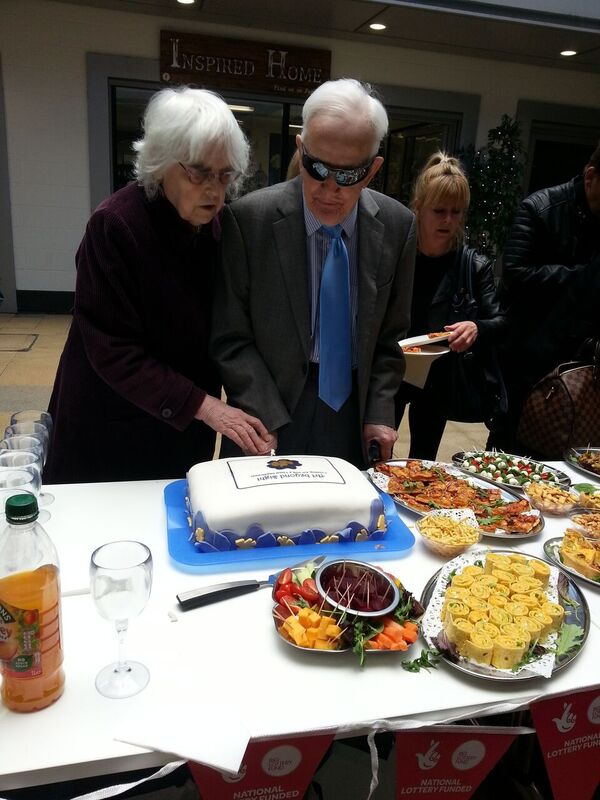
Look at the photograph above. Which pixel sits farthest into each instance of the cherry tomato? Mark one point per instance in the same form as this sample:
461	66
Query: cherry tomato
29	617
283	611
308	591
283	591
284	578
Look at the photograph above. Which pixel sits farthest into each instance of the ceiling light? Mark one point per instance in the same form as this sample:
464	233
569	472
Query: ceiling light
377	26
186	2
295	126
568	52
241	109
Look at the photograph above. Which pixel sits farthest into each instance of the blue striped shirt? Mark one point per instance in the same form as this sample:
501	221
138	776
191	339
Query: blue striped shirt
317	245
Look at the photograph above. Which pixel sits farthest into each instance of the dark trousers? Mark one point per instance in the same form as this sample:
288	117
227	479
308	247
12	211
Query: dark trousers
316	429
425	420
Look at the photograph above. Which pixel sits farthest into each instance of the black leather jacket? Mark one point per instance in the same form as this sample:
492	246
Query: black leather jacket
551	280
490	320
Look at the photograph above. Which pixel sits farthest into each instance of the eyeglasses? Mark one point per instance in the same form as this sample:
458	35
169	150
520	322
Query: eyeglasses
199	175
348	176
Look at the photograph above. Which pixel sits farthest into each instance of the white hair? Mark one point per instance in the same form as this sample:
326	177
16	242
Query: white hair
184	124
350	101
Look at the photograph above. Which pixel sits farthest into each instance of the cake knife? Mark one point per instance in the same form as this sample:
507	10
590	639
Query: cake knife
221	591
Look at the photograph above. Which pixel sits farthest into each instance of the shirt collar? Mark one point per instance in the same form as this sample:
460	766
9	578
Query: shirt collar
312	224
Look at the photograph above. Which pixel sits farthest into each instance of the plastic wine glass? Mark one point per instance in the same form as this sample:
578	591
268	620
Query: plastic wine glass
20	481
32	415
29	429
26	459
120	581
21	442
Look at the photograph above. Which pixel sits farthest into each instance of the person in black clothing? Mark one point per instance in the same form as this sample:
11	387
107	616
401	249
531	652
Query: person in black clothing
440	200
551	288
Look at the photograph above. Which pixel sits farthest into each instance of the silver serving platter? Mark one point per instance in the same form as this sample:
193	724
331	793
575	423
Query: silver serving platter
457	459
278	622
571	458
577	612
551	549
380	480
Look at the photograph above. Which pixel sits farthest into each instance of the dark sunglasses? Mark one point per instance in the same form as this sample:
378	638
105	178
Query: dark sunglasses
349	176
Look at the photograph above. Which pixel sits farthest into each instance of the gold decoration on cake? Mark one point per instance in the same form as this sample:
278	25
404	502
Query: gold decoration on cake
285	541
199	534
245	544
361	536
381	522
333	538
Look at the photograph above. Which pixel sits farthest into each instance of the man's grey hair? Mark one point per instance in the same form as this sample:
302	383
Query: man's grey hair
350	101
184	125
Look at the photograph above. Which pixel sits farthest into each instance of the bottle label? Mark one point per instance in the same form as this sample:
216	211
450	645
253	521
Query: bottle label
20	654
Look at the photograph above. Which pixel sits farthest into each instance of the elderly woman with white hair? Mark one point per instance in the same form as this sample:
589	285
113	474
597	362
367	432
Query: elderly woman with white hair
136	394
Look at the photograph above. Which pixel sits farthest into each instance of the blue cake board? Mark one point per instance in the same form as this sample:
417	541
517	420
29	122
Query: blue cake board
188	558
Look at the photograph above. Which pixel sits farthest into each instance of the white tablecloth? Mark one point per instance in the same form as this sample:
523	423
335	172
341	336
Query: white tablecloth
225	658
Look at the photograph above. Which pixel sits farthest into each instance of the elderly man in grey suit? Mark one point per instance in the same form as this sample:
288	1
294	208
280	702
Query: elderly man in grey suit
315	288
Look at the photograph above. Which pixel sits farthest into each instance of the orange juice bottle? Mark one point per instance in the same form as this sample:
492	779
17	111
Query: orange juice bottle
31	653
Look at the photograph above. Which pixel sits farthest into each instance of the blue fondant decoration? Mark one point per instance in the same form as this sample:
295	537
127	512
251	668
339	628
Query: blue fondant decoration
355	527
254	531
219	541
319	534
377	536
267	540
307	537
205	547
346	535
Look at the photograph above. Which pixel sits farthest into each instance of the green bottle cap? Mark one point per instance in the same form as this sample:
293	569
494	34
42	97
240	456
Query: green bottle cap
21	508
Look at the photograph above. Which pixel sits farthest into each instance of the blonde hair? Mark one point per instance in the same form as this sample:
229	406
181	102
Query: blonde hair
442	180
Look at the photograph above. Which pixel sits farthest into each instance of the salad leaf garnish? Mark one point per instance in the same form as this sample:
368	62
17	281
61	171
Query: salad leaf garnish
362	633
585	488
570	638
490	520
429	659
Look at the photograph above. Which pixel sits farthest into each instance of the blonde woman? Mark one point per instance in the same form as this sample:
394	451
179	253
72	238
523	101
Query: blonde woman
454	291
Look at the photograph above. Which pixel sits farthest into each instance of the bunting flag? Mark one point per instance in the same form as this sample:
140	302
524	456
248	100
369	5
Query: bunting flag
448	760
279	769
568	728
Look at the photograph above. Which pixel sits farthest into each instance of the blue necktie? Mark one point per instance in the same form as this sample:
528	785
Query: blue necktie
335	342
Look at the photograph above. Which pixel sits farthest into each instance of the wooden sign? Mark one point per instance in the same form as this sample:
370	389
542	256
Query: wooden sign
214	63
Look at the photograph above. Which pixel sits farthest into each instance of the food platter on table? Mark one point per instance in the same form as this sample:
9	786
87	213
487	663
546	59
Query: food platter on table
514	472
344	606
573	458
428	485
540	660
552	551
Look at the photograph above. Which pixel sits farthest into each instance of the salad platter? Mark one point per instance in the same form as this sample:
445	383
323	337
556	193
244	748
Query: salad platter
532	643
585	460
552	550
514	472
344	606
422	486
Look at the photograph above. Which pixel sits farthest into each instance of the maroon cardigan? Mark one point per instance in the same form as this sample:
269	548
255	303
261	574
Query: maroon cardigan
135	367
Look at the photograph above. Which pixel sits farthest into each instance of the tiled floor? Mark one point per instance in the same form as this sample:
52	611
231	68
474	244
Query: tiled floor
26	377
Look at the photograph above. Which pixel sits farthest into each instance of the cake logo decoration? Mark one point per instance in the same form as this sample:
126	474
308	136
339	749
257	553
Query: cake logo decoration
284	463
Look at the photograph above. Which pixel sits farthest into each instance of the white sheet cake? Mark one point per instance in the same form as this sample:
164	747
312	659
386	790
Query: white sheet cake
269	501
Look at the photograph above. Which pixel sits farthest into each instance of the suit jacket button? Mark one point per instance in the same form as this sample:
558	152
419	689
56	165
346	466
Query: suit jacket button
166	413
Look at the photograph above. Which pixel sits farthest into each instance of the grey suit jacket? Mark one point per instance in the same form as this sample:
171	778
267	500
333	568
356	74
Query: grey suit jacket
261	322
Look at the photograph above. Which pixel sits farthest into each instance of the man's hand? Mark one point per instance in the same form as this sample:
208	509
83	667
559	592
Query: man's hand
247	432
462	335
381	434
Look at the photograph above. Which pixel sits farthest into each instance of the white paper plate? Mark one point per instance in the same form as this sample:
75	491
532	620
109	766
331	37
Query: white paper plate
418	364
